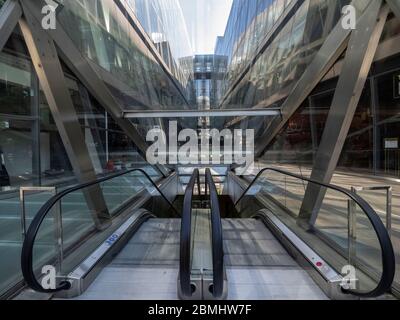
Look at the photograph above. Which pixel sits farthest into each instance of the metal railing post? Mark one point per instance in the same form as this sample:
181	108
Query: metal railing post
59	233
389	196
389	202
352	230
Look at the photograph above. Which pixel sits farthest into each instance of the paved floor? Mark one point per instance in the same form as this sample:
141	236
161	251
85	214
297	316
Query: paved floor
272	284
147	268
259	268
134	283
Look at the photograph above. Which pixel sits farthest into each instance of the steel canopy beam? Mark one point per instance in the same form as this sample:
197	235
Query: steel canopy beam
51	77
201	113
357	64
10	13
333	47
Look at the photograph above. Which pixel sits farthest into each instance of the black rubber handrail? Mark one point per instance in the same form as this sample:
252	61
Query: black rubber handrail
388	258
217	238
186	231
29	241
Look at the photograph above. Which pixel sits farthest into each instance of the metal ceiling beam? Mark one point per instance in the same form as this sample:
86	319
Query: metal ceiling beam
333	47
357	64
82	69
201	113
51	77
10	13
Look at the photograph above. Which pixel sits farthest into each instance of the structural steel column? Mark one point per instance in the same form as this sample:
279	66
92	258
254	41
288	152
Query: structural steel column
10	13
51	76
357	64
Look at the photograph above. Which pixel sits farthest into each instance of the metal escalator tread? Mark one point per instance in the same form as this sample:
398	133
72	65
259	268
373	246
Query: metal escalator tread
202	255
248	243
145	269
156	243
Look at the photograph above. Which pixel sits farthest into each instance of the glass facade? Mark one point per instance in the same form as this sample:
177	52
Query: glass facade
206	83
163	21
278	66
248	24
105	35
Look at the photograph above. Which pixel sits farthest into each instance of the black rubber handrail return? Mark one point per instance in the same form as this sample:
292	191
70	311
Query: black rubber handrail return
29	241
217	238
388	258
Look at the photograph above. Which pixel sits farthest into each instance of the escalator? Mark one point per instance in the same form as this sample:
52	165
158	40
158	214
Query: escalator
62	235
147	245
346	250
250	241
202	273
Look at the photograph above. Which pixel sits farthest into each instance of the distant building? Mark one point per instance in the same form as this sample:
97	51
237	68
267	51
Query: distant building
208	74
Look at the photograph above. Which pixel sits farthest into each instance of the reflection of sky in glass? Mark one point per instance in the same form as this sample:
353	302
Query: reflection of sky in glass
206	20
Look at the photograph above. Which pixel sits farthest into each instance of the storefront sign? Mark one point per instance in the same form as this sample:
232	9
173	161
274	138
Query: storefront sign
392	143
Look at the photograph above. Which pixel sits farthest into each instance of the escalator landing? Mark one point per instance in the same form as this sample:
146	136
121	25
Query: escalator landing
145	269
259	268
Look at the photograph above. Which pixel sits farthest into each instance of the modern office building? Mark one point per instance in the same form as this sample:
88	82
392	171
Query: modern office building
112	186
205	85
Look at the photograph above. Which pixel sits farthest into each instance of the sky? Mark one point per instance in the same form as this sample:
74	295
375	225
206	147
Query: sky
205	20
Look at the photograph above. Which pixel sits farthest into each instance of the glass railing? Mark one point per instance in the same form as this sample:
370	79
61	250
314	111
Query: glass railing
341	226
12	224
74	222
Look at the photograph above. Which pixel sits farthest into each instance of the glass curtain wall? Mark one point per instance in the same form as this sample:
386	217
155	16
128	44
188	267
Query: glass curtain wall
102	32
248	24
163	21
280	65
